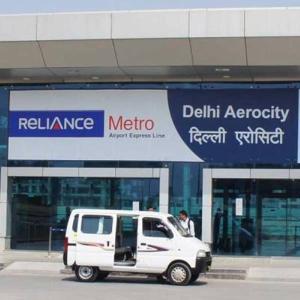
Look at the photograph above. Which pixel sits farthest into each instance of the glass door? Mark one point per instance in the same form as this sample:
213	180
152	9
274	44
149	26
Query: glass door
272	224
293	223
234	216
279	212
266	221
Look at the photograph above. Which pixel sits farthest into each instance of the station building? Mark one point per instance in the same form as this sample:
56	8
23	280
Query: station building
171	109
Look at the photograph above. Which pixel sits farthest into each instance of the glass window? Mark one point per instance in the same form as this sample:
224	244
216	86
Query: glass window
178	227
232	233
186	192
269	223
75	223
40	203
96	224
155	228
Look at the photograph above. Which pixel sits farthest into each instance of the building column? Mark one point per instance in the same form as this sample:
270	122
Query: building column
164	190
187	202
4	211
207	206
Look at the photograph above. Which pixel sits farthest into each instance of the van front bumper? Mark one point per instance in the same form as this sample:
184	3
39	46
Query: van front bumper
203	264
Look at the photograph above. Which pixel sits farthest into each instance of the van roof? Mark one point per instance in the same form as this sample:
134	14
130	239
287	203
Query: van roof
118	212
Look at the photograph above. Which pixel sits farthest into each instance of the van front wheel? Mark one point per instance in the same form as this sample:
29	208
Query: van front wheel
86	273
179	274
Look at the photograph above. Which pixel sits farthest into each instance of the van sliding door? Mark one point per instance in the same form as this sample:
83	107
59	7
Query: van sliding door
96	240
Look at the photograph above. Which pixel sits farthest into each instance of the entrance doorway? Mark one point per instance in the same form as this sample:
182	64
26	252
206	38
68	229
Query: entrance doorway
256	217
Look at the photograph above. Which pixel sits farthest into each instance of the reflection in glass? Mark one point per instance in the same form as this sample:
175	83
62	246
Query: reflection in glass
233	234
186	192
270	224
38	203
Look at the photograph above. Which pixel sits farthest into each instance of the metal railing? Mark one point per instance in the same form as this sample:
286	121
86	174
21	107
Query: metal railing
51	230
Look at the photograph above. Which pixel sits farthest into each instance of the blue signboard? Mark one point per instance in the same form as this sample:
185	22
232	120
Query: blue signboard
230	126
245	126
56	123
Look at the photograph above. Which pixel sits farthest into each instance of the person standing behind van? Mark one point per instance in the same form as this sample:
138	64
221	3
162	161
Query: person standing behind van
186	222
151	208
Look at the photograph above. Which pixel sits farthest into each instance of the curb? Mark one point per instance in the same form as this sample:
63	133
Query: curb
66	271
231	274
269	279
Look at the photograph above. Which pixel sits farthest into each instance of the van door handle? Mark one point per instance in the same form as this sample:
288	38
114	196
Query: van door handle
107	243
143	244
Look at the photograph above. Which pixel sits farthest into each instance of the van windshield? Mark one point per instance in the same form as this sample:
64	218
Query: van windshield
176	223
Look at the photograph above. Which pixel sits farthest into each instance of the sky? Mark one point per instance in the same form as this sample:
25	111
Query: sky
43	6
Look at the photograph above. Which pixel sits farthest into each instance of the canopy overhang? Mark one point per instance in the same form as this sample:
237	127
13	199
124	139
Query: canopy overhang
208	45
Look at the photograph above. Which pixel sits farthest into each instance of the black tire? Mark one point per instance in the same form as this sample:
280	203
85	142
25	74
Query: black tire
86	273
161	279
179	274
194	277
102	275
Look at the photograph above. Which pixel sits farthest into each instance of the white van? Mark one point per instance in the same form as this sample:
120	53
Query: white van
102	241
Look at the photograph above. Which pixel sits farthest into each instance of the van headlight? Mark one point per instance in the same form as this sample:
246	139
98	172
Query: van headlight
201	253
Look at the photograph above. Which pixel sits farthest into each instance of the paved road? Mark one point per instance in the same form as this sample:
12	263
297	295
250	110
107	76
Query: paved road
57	287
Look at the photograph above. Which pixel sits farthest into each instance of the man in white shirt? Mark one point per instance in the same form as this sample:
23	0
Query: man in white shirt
187	223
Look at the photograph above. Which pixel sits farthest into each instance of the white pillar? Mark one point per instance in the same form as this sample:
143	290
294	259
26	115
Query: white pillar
207	206
164	190
4	211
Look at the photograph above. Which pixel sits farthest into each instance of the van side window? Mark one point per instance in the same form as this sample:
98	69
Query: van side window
155	228
96	224
75	223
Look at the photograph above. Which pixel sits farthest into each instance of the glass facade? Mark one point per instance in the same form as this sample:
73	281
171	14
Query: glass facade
270	224
186	191
41	203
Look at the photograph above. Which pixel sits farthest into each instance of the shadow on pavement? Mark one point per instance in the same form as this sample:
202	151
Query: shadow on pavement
117	279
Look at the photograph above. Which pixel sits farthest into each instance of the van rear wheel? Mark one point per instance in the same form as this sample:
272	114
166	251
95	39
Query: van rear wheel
179	274
86	273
